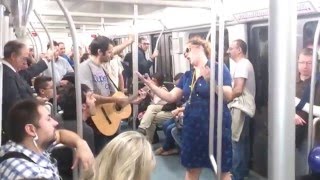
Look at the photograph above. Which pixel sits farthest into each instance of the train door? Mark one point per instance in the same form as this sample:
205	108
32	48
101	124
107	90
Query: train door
258	55
164	60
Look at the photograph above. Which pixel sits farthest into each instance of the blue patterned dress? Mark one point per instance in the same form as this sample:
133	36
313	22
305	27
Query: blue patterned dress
195	133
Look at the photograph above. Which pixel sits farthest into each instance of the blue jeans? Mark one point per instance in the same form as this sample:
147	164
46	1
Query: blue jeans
176	134
241	153
169	141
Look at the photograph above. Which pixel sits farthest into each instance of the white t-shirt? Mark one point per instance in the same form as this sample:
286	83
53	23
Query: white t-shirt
244	69
95	77
114	68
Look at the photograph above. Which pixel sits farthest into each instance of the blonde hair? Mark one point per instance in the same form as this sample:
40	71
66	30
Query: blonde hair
128	156
198	41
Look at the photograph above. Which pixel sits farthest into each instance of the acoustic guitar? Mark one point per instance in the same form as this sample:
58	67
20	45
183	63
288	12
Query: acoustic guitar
109	115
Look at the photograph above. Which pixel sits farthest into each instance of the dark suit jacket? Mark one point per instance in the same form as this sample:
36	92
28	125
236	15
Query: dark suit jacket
33	71
15	88
143	64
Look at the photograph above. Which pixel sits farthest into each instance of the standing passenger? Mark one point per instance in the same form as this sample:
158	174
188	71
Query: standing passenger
114	66
144	64
61	65
96	78
301	117
195	135
244	86
15	86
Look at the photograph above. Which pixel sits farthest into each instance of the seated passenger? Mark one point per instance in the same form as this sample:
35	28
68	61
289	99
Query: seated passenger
168	147
64	155
128	156
69	115
43	85
32	132
154	111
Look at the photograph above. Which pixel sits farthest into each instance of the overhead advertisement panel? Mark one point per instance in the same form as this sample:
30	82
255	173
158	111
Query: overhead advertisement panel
302	8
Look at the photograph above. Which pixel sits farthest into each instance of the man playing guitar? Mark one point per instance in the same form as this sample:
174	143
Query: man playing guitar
94	75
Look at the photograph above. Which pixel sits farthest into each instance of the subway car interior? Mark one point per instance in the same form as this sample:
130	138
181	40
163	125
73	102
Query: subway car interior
273	39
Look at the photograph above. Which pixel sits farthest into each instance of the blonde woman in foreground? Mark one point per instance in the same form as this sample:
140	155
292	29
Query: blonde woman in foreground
128	156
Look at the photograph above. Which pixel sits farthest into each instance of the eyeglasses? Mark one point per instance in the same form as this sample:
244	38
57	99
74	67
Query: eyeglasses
305	62
146	44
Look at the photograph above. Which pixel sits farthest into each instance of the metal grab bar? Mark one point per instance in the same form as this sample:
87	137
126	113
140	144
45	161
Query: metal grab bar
34	44
41	45
52	63
77	80
281	129
212	86
312	88
156	47
135	64
315	121
216	162
1	68
220	85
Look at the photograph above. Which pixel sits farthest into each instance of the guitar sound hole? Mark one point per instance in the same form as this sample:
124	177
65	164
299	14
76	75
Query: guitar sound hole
118	107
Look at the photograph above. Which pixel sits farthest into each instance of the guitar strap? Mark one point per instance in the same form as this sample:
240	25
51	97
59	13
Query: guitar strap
114	85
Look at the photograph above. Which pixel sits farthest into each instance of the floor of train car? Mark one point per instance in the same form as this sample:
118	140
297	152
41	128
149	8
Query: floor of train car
169	167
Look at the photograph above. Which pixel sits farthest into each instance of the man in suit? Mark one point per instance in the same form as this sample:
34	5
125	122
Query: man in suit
15	87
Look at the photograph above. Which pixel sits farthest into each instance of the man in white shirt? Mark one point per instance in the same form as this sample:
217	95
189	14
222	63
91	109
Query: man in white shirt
243	79
61	65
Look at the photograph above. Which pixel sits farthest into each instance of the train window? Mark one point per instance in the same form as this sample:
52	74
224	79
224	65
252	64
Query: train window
308	33
164	60
203	35
258	55
309	30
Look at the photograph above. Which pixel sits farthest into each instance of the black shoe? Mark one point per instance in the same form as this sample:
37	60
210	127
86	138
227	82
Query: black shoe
155	138
142	131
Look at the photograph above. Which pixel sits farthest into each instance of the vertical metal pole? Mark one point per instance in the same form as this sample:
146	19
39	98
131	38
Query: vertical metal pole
77	73
1	66
54	109
220	85
41	46
5	30
281	130
33	41
135	64
212	85
11	34
1	29
1	99
156	47
312	89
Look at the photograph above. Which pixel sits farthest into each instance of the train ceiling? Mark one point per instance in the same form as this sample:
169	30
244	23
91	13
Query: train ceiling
117	15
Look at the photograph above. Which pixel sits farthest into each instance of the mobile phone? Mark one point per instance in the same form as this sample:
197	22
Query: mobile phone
208	63
146	76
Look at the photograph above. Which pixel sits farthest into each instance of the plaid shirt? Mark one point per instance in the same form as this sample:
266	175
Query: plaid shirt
19	168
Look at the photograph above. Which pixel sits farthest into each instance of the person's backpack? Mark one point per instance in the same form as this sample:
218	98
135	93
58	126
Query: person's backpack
14	154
